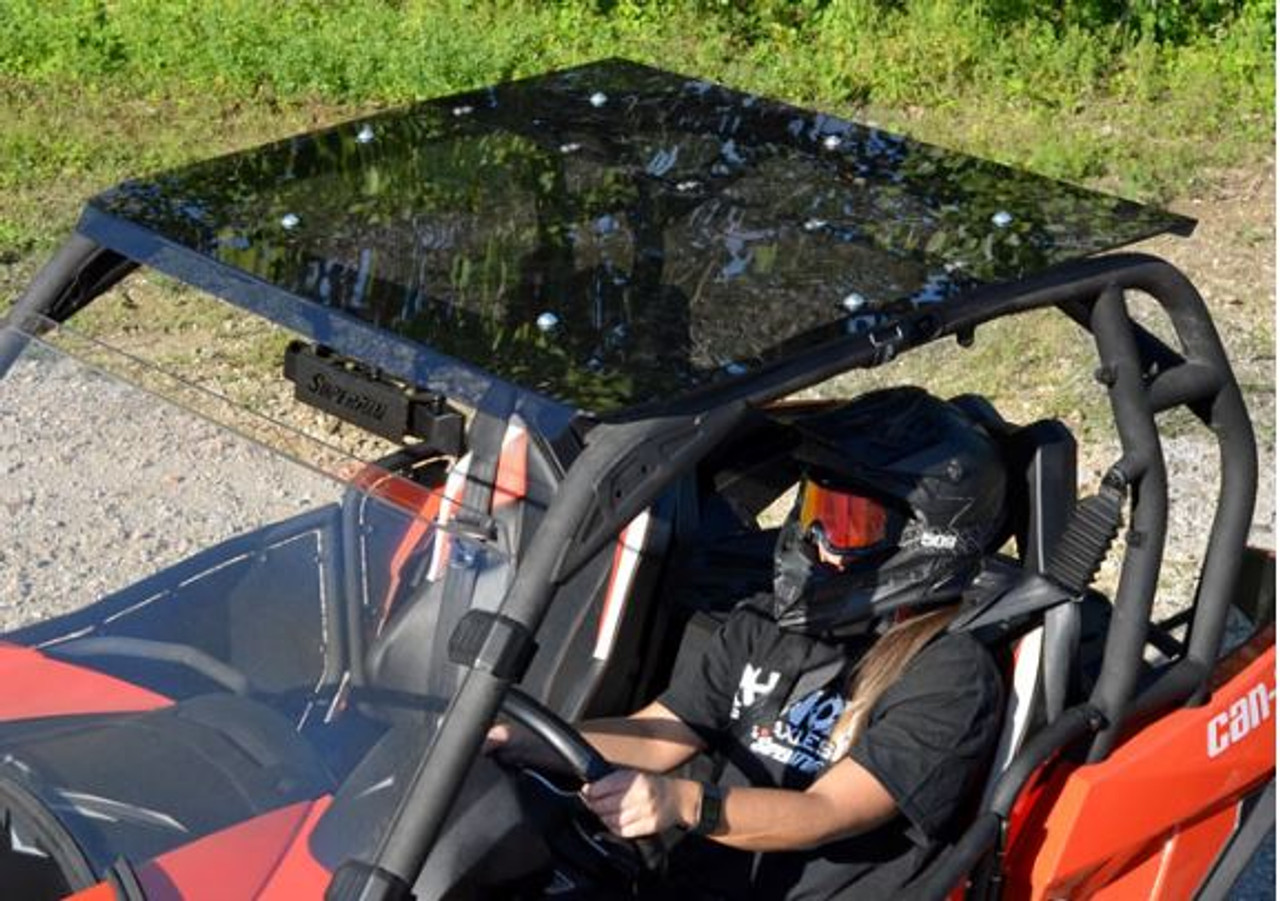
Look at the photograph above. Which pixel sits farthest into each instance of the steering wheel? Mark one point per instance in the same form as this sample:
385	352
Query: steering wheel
584	762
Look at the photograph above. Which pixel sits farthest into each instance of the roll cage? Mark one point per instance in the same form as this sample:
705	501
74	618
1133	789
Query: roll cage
624	467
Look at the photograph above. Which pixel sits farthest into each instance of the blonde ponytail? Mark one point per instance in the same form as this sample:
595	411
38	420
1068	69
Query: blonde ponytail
882	665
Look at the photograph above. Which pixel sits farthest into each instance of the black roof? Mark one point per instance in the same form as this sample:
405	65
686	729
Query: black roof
601	237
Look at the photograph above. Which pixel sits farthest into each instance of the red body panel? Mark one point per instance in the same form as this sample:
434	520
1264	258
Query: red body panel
299	874
265	858
1176	867
36	685
234	863
1150	820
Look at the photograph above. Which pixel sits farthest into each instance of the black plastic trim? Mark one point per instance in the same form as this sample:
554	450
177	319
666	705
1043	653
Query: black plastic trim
72	861
194	658
358	881
124	881
369	399
1256	594
1249	836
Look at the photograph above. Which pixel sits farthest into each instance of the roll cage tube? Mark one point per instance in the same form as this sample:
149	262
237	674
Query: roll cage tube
80	271
623	469
1143	377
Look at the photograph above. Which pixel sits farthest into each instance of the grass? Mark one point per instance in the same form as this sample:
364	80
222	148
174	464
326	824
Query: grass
93	89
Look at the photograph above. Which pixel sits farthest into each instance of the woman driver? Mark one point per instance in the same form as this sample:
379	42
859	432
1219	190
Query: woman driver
851	727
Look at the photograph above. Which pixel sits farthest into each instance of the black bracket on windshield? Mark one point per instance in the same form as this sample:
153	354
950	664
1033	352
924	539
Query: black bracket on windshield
371	399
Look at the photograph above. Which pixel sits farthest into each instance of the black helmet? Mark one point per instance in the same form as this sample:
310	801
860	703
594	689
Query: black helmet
906	490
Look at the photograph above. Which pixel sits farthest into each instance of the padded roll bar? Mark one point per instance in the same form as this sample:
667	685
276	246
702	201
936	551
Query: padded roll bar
1143	377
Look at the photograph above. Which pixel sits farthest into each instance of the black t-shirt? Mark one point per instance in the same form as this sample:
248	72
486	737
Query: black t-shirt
765	701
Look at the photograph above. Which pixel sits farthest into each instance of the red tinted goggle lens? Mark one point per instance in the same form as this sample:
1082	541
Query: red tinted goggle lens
845	522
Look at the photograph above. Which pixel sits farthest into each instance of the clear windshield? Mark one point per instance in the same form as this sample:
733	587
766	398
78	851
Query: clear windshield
200	629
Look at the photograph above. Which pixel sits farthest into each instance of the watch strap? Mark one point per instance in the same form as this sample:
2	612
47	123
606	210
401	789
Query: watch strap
710	809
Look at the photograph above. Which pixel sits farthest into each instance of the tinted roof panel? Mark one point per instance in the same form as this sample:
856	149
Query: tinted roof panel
613	235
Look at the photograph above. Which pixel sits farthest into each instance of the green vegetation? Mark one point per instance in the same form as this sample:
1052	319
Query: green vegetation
1143	95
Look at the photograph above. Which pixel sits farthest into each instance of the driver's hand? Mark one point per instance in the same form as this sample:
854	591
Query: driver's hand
632	804
506	740
498	738
517	746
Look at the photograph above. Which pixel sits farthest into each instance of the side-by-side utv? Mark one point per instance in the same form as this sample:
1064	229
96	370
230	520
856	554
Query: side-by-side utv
581	305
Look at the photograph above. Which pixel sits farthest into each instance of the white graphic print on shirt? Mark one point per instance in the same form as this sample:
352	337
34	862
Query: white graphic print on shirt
800	738
752	688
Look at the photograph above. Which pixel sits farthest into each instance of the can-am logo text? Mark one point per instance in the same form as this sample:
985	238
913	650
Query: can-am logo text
1242	717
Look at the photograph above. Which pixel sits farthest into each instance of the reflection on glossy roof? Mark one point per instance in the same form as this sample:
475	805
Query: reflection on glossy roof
614	234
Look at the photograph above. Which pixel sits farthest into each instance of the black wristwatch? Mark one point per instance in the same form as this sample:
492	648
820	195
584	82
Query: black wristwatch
710	809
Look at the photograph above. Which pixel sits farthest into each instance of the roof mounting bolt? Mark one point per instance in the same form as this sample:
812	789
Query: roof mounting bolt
853	302
290	221
365	136
832	142
1002	219
1116	479
599	99
1105	376
547	321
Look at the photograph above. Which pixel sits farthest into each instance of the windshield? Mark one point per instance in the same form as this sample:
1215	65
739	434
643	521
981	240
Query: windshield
204	629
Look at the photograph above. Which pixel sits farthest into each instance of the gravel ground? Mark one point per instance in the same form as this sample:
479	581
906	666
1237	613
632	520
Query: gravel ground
100	486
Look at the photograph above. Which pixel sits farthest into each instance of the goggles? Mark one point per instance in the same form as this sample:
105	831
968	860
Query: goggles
844	524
